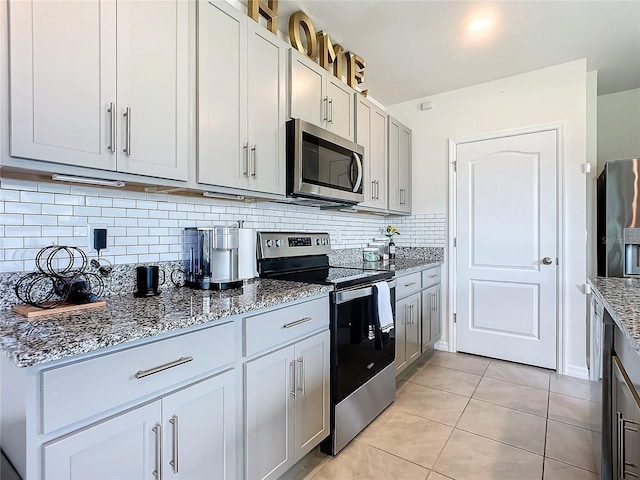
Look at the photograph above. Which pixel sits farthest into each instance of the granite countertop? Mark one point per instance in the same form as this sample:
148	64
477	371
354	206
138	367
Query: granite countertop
400	266
621	297
125	318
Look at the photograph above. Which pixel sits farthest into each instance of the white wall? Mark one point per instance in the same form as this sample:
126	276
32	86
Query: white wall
618	126
555	94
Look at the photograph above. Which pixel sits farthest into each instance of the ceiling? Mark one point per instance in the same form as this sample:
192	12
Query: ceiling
417	48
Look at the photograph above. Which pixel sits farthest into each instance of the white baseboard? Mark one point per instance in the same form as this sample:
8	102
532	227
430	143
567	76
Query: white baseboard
441	345
576	371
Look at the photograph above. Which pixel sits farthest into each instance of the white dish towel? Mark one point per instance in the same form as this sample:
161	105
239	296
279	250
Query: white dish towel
385	314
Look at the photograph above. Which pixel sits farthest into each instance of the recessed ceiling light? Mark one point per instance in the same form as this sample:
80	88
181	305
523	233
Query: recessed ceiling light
479	24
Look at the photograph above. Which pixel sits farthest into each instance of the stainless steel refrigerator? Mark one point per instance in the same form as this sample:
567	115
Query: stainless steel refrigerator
618	214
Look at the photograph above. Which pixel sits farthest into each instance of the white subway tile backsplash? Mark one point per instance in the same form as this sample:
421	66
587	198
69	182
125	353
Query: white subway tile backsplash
63	199
14	184
149	258
135	195
124	203
21	231
71	221
11	219
134	213
57	210
12	266
125	240
8	243
99	202
54	188
82	190
36	197
149	227
137	249
17	207
125	222
39	219
87	211
146	205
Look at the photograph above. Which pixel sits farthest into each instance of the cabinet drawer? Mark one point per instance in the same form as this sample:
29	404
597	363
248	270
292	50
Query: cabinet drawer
277	327
409	284
73	392
430	277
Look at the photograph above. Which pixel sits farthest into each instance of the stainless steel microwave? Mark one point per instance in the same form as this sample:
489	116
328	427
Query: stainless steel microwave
322	168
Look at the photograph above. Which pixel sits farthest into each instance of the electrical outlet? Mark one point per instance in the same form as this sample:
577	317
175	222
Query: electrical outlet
90	229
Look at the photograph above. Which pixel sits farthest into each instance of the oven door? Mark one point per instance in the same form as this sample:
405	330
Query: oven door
355	356
323	165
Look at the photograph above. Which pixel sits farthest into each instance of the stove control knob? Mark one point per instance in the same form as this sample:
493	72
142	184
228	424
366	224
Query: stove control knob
318	241
270	243
279	243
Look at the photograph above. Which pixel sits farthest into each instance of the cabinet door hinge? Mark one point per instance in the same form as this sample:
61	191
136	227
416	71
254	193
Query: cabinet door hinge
455	166
455	242
455	318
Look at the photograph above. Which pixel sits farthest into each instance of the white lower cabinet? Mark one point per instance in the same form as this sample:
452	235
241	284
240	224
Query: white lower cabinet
418	324
119	448
287	405
188	434
407	331
431	330
199	432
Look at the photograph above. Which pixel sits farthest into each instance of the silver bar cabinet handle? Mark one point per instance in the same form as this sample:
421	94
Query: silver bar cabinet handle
160	368
301	379
292	372
174	444
620	458
296	322
245	149
331	111
127	145
254	156
325	102
410	284
112	127
158	471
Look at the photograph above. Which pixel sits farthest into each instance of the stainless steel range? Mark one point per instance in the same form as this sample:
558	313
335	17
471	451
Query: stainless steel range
362	340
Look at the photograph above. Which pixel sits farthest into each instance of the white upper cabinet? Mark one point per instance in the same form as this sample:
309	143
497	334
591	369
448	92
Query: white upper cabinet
153	86
399	167
63	81
320	98
241	101
371	133
68	60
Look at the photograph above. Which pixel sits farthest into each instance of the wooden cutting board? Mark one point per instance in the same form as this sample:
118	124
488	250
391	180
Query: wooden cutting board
30	311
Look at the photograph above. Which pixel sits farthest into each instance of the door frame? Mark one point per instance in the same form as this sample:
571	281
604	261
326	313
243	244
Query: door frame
451	255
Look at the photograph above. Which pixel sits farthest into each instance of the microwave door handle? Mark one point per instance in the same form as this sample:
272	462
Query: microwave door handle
356	187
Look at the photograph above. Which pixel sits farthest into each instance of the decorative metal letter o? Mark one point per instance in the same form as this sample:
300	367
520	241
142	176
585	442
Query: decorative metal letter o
297	20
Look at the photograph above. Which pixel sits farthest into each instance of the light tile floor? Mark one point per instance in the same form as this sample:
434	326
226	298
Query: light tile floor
460	417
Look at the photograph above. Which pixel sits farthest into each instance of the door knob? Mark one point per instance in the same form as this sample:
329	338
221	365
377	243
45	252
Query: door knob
547	260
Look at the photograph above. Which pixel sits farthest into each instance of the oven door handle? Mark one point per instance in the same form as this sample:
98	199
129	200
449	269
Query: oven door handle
345	296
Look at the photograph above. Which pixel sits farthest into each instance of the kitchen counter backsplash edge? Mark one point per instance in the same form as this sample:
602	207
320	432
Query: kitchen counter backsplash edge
122	278
354	255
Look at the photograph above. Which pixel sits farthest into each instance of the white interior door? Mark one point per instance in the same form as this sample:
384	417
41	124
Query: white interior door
506	290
